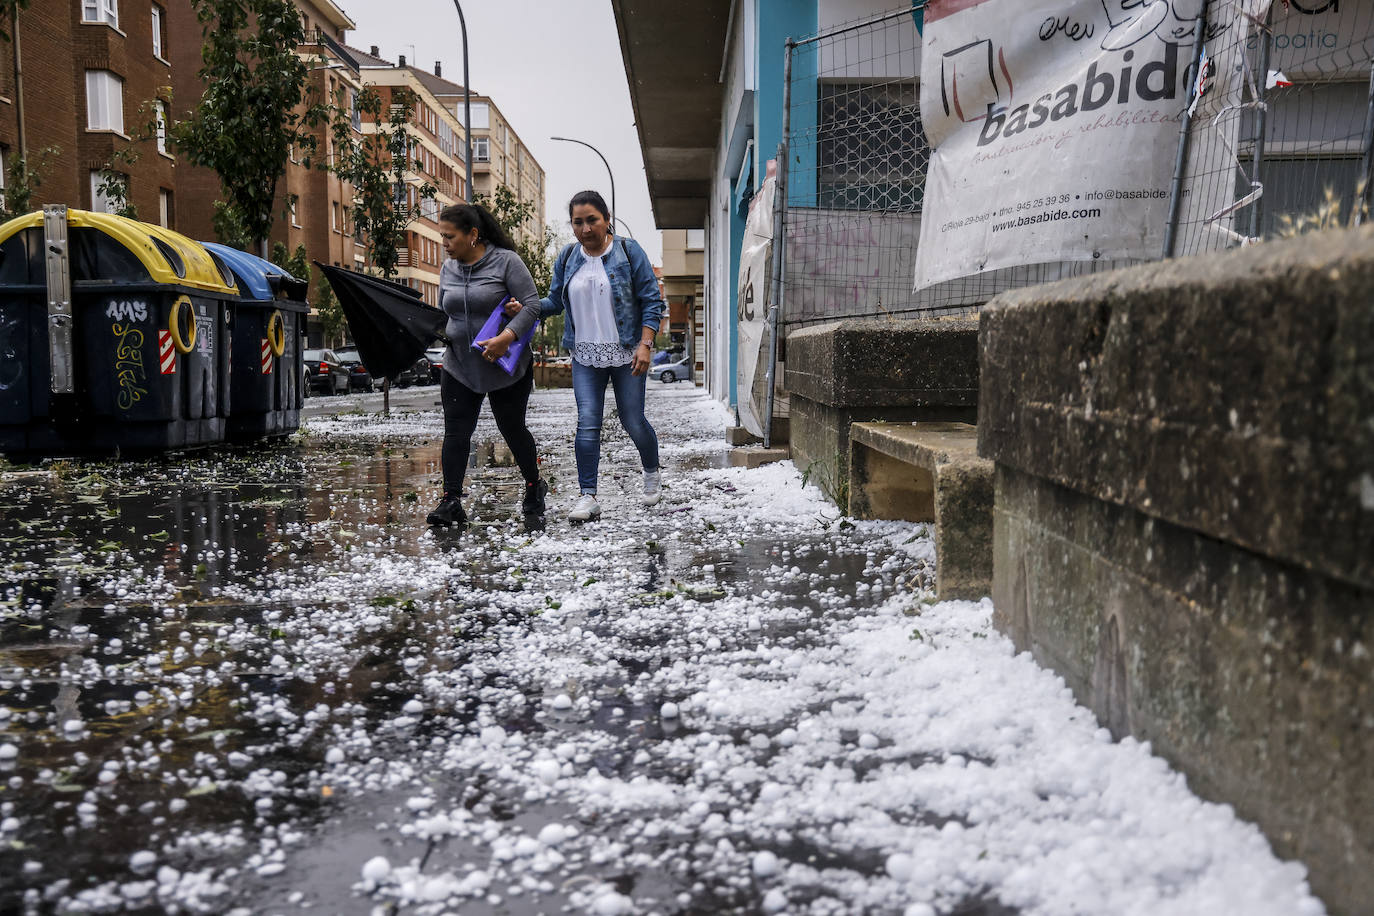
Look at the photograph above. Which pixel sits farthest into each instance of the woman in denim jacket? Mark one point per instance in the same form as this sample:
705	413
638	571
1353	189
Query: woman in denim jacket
609	290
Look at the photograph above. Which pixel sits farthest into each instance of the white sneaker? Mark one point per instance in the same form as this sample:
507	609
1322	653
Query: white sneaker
653	487
585	509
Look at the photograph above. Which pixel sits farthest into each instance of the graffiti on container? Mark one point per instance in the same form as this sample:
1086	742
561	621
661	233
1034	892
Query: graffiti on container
127	311
205	331
128	364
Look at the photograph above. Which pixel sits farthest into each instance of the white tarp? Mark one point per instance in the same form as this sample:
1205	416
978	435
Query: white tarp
1053	126
755	286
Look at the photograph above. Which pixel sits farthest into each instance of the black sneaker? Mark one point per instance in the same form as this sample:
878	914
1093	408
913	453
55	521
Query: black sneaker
448	512
533	503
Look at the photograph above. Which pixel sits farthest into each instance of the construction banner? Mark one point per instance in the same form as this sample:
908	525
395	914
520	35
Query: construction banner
1053	126
755	288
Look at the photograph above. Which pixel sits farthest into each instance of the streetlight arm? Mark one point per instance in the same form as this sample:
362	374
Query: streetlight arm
467	101
603	162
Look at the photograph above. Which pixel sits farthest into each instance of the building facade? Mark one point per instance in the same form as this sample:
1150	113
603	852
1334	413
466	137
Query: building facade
684	289
499	158
83	82
439	148
707	86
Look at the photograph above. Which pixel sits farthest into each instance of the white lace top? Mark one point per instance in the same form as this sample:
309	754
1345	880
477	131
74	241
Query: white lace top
593	313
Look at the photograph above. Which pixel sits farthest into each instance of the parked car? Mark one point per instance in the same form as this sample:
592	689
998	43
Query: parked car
417	373
325	373
671	355
359	379
435	355
671	372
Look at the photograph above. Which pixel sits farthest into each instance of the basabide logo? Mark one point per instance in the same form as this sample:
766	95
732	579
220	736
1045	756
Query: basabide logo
1133	50
1155	81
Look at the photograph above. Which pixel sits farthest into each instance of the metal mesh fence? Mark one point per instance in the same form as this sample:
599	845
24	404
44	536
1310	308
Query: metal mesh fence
1280	142
1279	138
857	160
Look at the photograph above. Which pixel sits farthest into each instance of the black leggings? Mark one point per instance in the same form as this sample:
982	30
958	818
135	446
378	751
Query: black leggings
461	407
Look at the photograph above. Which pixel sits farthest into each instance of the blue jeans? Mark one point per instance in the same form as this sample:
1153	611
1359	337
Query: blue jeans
589	388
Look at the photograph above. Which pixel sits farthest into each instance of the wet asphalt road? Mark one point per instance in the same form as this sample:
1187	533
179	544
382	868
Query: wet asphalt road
185	649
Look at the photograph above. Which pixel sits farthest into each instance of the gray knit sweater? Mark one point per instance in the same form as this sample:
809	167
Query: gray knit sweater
467	294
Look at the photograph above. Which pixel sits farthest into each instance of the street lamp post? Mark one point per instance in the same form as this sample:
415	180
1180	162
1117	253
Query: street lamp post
603	162
467	101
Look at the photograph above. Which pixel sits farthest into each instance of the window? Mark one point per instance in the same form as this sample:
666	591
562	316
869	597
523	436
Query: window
157	32
165	213
104	101
106	11
160	110
696	239
871	146
4	164
295	220
481	150
99	202
334	216
480	116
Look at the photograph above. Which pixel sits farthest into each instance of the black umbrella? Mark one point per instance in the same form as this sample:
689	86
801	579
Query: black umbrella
391	327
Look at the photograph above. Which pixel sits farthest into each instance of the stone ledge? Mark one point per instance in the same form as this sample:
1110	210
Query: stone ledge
1231	394
1247	674
889	363
929	472
751	457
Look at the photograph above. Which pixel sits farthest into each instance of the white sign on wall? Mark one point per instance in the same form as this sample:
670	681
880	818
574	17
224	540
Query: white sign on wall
1053	126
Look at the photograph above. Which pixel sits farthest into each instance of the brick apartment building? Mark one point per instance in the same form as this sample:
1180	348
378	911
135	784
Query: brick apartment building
440	149
95	73
81	78
498	156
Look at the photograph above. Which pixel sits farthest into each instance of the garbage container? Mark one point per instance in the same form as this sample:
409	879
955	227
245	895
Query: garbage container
266	361
114	336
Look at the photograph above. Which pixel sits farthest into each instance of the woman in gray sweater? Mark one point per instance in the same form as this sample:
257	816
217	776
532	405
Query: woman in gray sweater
481	271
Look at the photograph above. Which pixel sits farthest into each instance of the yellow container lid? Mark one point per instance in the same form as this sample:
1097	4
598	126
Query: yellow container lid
170	257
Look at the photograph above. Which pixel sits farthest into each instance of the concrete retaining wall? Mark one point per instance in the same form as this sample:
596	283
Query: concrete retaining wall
1184	523
862	370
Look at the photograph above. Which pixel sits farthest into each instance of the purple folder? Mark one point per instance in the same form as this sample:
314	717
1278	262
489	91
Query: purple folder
494	325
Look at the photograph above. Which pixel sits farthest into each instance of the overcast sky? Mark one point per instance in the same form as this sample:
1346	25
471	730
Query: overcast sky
553	68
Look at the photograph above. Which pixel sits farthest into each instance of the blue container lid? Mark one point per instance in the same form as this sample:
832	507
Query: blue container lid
251	271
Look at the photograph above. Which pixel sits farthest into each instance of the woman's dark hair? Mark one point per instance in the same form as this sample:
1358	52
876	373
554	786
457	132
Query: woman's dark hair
475	216
590	197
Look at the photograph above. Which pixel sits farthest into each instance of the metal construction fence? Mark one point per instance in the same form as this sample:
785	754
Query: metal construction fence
1280	141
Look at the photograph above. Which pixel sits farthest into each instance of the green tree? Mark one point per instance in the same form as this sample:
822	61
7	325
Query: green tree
254	110
388	192
330	312
296	263
22	178
512	214
538	254
114	186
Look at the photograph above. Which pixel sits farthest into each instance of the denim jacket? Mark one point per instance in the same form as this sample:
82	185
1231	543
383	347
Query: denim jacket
633	286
